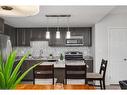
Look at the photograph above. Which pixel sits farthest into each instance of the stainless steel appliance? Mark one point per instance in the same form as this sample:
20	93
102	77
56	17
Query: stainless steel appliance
75	41
74	55
5	46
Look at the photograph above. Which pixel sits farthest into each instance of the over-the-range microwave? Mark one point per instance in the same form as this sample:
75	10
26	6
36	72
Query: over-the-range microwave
75	41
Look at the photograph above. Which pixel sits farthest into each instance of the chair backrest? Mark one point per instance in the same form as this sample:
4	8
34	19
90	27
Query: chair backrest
103	67
123	84
44	72
75	72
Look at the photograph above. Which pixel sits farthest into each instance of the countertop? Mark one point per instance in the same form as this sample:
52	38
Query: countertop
39	58
61	64
48	58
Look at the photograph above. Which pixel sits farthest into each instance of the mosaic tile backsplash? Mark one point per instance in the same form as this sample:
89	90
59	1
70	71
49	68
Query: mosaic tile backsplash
36	47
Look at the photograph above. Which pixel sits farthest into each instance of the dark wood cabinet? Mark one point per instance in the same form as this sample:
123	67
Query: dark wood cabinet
26	65
52	39
85	32
1	26
38	34
10	31
89	64
75	31
57	42
23	37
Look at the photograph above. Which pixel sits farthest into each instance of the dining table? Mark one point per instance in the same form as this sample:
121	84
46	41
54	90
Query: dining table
54	87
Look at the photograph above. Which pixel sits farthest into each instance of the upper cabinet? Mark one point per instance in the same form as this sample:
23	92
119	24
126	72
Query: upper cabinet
10	31
38	34
23	36
85	32
75	31
1	26
53	41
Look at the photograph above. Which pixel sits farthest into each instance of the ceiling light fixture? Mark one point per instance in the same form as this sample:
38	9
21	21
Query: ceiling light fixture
47	32
57	32
68	34
18	11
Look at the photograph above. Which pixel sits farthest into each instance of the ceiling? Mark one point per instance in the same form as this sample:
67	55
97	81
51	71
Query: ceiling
81	16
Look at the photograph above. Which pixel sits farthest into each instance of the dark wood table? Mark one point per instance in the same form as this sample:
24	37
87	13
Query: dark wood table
54	87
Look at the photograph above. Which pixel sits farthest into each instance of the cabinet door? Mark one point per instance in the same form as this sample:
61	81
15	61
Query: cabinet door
26	65
52	39
62	41
85	32
13	37
87	37
1	26
27	37
20	37
77	31
57	42
89	65
11	32
38	34
23	37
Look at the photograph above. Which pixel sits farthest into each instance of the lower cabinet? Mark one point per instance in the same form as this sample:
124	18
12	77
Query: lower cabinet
89	64
59	74
25	66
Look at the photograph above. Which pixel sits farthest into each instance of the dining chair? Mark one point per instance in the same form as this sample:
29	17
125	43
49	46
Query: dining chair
44	74
123	84
99	76
75	74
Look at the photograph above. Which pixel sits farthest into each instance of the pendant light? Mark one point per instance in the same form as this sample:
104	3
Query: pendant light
18	11
68	33
57	32
47	32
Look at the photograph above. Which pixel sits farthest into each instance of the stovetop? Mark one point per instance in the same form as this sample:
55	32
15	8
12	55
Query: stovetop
74	55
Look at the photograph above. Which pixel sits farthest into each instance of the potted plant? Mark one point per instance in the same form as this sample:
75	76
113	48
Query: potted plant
51	56
9	76
61	57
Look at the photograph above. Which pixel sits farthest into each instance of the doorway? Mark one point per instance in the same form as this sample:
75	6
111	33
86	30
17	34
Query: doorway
118	54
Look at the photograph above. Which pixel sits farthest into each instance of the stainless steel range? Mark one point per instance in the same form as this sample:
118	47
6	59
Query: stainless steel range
74	55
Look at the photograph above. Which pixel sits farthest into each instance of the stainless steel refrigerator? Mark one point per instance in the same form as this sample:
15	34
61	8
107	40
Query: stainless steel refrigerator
5	46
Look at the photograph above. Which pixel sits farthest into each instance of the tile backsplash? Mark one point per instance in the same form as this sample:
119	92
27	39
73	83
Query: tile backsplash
37	46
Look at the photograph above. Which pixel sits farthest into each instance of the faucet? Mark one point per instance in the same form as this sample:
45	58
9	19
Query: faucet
41	52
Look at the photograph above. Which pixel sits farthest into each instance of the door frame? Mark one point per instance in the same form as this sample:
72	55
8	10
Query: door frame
109	38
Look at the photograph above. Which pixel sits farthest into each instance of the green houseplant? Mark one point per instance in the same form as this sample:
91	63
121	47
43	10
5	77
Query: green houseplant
61	56
51	55
9	77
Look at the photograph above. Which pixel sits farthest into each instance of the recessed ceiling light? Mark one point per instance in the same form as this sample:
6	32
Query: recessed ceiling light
8	8
18	11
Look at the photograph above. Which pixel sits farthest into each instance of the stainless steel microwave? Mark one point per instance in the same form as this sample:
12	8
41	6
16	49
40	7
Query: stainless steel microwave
75	41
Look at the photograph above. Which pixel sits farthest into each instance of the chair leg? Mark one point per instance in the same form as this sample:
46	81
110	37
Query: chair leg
53	81
34	81
101	84
65	81
104	84
86	81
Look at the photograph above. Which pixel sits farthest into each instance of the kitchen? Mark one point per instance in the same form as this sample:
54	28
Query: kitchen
70	34
43	49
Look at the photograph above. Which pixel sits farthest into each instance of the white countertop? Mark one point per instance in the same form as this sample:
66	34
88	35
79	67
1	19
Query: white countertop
61	64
